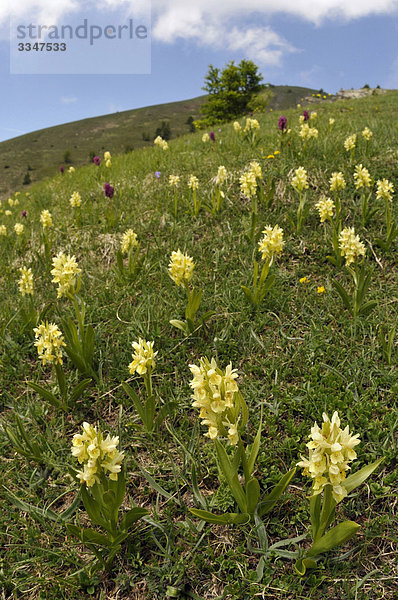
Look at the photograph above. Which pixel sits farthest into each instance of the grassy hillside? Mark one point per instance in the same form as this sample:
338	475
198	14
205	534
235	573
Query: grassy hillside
301	352
43	151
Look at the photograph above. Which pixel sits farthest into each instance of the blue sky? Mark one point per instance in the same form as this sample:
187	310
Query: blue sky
329	44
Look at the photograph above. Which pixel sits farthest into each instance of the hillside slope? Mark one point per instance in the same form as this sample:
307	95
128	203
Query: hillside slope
41	152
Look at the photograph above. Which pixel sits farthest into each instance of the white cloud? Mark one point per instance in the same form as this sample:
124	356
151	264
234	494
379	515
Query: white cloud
68	99
181	15
259	44
215	23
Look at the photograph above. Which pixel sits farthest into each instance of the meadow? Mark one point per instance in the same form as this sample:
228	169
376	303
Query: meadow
314	342
40	153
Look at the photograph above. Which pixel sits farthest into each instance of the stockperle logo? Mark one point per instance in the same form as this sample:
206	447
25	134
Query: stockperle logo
87	44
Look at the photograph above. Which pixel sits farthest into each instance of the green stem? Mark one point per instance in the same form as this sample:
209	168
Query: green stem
175	203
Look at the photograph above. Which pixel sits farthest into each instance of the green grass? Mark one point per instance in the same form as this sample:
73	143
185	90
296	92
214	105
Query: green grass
120	132
299	355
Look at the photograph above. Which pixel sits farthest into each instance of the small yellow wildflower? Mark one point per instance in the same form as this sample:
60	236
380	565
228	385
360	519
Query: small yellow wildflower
255	168
221	175
193	182
107	156
276	152
251	125
3	230
331	122
325	207
237	127
46	219
320	289
313	114
8	213
331	449
304	279
181	267
367	134
300	180
307	133
49	342
248	184
71	169
174	180
350	245
159	141
205	138
99	455
108	163
75	200
143	358
350	142
18	228
216	395
361	177
25	283
64	271
272	242
337	181
384	190
129	241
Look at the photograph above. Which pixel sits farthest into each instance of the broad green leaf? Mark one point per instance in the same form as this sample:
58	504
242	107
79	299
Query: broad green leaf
78	390
109	498
179	325
133	515
194	303
252	495
251	461
264	273
343	295
272	498
255	274
248	293
165	410
206	316
61	379
231	476
68	512
336	536
366	308
33	446
195	488
92	508
53	400
76	358
89	342
224	519
315	513
138	405
302	564
119	488
356	479
89	536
